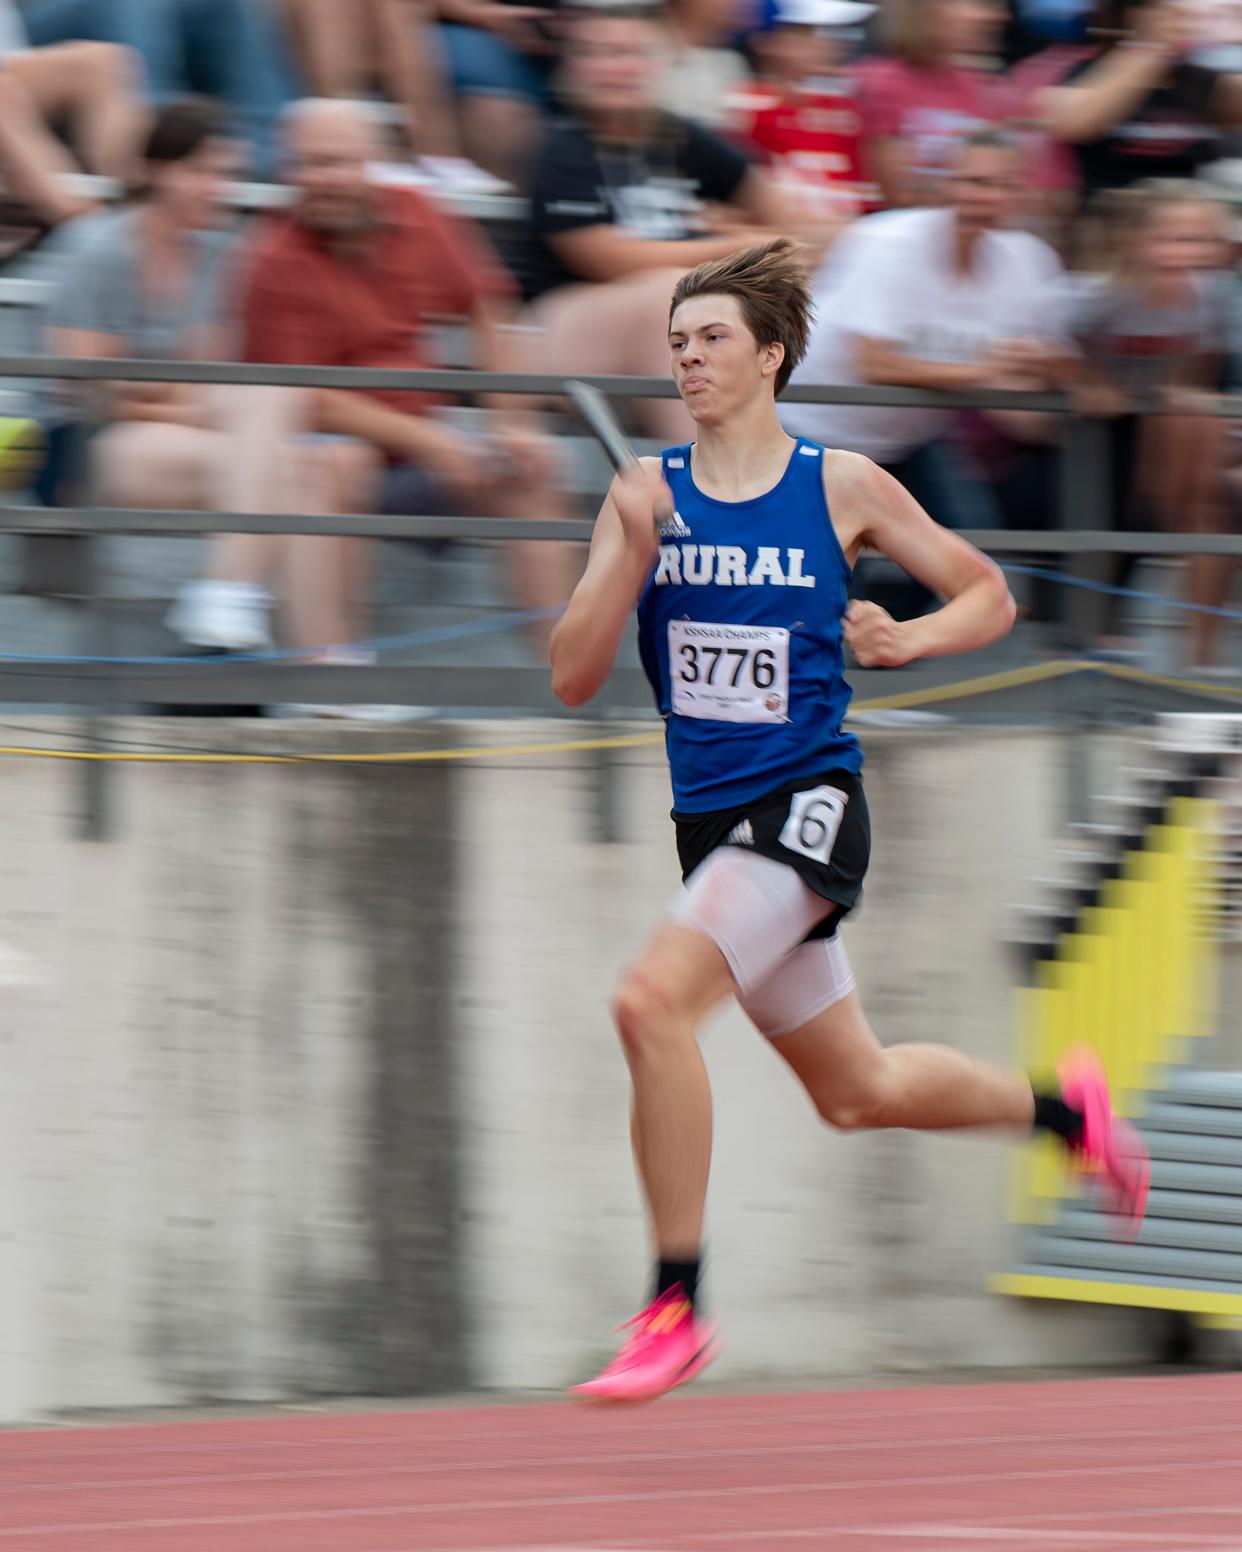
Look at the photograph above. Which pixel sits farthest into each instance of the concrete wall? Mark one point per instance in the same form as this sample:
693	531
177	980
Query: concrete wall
228	1117
309	1087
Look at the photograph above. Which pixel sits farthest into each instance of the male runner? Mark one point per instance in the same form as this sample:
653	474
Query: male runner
738	550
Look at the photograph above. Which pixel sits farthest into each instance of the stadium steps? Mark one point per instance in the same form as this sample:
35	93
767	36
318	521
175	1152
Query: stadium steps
1123	950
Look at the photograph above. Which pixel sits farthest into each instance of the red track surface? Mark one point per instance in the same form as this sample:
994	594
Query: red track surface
1136	1465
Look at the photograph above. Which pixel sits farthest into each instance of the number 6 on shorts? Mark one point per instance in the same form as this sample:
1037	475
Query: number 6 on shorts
814	819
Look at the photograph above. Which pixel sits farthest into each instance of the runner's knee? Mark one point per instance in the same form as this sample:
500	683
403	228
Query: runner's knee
864	1104
646	1015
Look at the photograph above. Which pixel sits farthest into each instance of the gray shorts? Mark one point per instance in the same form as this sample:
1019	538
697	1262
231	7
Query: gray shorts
407	491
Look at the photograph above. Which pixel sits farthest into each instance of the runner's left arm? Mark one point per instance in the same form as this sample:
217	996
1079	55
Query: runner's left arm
871	510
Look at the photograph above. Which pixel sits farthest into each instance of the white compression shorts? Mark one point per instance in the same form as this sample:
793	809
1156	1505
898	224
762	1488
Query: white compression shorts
758	912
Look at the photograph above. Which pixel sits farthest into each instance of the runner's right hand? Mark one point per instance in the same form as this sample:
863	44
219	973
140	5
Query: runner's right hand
643	500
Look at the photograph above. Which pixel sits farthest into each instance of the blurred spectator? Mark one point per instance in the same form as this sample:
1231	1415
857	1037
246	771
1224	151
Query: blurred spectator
1153	327
702	68
147	281
1135	107
1216	34
1016	452
1036	25
621	205
344	50
801	115
353	276
500	60
87	89
934	87
229	49
940	299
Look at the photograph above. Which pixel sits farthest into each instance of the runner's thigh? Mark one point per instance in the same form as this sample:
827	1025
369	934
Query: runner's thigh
754	909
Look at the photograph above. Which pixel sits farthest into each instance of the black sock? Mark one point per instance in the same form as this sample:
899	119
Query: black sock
1052	1114
671	1274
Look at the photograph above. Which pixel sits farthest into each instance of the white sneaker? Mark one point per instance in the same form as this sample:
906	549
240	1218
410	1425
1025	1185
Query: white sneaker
1213	671
229	616
361	712
456	175
897	717
356	657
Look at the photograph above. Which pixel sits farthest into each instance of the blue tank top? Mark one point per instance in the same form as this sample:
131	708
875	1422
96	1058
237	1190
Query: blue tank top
739	629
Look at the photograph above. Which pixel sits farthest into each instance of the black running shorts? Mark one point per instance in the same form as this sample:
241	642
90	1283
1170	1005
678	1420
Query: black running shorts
818	825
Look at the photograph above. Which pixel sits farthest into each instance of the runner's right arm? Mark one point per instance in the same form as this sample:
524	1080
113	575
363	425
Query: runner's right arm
623	551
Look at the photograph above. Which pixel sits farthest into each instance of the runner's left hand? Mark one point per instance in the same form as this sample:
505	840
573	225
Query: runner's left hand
875	638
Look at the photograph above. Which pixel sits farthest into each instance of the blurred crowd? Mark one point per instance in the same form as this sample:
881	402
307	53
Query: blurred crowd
1027	194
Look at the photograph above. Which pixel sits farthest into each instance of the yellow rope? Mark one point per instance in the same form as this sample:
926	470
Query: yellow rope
986	684
402	756
1144	676
1011	679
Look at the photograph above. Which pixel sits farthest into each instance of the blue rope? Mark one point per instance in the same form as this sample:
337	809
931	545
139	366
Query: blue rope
424	638
498	623
1122	592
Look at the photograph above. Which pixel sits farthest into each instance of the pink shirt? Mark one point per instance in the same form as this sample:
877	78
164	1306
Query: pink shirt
931	110
1053	165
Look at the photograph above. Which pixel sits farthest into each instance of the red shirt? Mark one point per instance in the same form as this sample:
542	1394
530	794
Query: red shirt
812	137
304	304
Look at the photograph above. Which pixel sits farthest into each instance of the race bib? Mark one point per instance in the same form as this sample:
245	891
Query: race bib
729	673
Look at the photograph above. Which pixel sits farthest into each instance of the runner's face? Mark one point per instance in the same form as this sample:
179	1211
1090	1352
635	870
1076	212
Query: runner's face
717	365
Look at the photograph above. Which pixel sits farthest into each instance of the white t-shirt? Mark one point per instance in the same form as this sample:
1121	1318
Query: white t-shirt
894	277
13	35
696	83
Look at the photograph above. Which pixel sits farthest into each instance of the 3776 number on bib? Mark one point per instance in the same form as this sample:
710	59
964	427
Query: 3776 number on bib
729	673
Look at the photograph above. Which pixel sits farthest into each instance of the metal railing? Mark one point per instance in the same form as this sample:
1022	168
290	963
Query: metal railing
63	541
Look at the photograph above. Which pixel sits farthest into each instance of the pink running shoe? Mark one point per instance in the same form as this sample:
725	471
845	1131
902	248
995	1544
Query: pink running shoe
668	1346
1108	1146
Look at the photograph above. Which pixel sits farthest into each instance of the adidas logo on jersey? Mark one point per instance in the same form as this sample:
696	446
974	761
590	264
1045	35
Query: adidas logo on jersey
741	834
674	527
